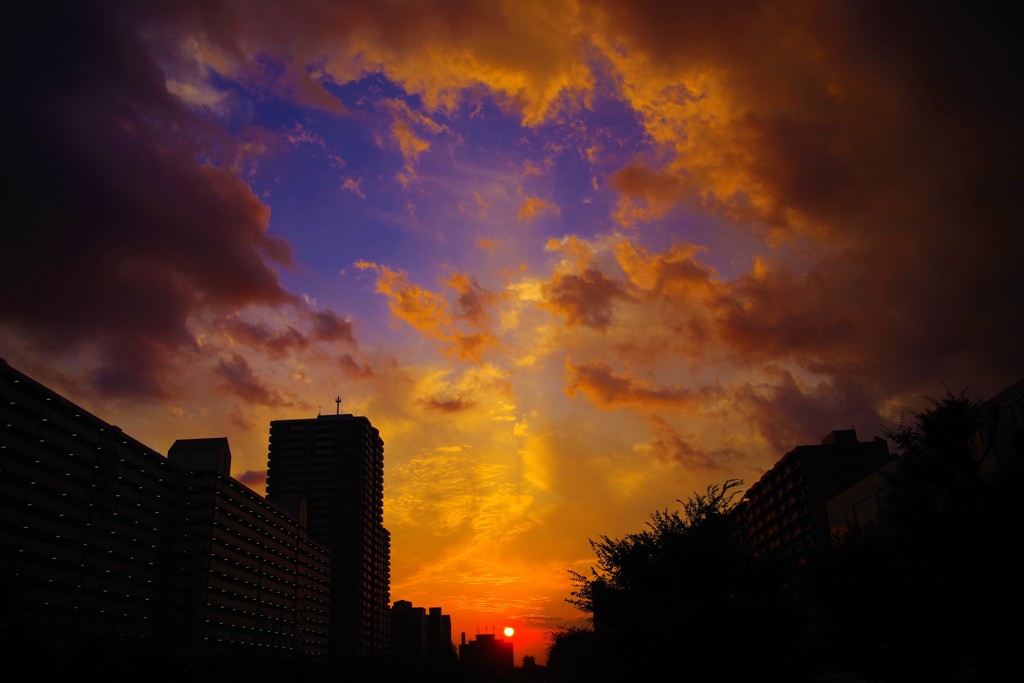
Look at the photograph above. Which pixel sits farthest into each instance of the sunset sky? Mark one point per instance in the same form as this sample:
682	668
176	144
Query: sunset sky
574	259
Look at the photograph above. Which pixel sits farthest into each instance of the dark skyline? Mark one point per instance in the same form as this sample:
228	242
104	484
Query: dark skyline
122	555
573	258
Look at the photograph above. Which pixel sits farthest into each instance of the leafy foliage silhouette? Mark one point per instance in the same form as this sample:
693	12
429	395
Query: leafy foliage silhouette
926	592
677	595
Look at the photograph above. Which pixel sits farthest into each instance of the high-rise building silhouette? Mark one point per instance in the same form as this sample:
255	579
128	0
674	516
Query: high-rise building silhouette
336	464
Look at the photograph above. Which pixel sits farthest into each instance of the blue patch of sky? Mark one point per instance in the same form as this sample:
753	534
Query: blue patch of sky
328	225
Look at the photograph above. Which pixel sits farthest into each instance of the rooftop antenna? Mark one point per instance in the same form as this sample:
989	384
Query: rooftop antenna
338	401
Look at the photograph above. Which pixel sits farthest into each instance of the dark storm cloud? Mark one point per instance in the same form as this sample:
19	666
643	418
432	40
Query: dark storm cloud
586	298
669	445
447	404
329	326
880	142
607	388
238	378
788	414
353	368
474	302
278	340
122	232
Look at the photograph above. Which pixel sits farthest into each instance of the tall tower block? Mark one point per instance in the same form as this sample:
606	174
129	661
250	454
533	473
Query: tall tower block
335	463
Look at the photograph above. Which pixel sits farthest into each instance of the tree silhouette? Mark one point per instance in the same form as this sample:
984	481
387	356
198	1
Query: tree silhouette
573	655
681	596
928	592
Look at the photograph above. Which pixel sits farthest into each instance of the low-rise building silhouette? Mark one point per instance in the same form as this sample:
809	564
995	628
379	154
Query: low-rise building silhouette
486	655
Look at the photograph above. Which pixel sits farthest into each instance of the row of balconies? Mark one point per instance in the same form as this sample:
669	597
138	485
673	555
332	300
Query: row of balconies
251	538
62	440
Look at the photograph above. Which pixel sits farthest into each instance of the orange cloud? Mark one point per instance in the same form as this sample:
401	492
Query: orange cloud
587	298
422	309
788	410
352	185
532	208
405	127
254	479
487	243
780	313
471	346
647	194
436	50
431	314
677	270
609	390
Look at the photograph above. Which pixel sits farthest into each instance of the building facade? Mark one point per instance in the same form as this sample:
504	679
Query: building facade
102	537
87	518
784	515
249	573
335	463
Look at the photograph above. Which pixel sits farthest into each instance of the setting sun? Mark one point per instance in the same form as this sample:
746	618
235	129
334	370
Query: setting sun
509	631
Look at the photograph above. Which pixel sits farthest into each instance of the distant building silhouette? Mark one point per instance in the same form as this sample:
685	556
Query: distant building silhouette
336	464
100	535
409	632
784	515
439	636
488	655
421	637
531	671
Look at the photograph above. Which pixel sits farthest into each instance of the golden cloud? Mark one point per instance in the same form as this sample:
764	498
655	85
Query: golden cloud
420	308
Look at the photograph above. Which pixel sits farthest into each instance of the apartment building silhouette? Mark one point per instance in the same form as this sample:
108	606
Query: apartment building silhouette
335	463
487	657
247	571
103	537
784	515
421	636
